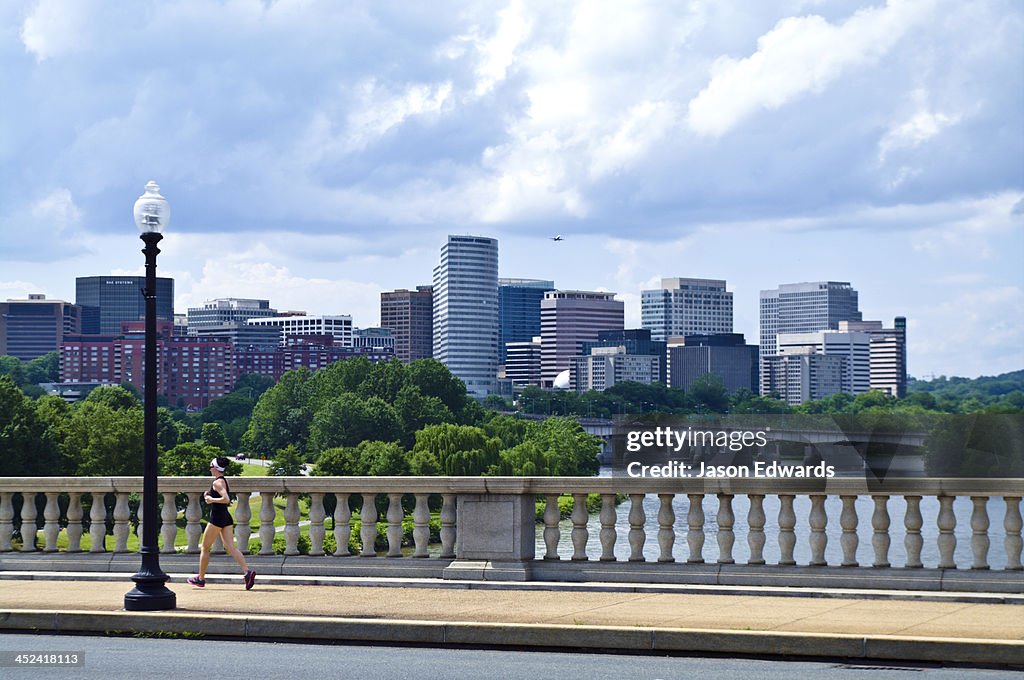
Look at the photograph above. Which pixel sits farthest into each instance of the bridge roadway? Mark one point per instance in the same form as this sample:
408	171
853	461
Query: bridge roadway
975	630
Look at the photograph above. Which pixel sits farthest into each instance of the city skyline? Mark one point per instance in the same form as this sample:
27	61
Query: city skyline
869	142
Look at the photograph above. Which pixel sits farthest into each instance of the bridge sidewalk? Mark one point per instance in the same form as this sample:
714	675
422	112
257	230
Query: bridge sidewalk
968	632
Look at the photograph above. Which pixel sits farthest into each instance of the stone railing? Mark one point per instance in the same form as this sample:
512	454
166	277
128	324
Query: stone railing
759	531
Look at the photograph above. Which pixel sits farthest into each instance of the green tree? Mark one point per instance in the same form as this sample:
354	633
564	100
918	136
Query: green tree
349	419
116	397
417	411
103	441
12	366
213	435
369	459
45	368
435	380
287	462
282	415
449	449
26	446
192	459
708	394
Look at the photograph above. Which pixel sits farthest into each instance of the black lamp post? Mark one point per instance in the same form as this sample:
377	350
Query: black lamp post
152	213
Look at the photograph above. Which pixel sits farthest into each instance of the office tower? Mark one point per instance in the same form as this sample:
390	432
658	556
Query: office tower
686	306
725	355
853	347
804	308
519	310
108	301
607	366
569	318
409	315
337	327
466	311
31	328
888	353
522	362
797	378
227	310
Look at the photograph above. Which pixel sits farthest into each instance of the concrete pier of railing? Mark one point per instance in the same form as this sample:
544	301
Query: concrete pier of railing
488	528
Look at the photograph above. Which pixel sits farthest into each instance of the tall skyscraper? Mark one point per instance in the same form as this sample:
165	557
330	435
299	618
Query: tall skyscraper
804	308
108	301
31	328
519	310
569	318
686	307
409	315
466	311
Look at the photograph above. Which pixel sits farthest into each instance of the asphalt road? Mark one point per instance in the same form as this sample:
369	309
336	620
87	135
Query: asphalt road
117	658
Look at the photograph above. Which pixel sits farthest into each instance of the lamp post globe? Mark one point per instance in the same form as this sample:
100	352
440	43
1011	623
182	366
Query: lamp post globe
151	213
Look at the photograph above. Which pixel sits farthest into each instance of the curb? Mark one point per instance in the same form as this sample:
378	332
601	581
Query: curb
539	636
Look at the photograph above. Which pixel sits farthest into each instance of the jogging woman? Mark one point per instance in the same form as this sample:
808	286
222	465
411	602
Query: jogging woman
221	524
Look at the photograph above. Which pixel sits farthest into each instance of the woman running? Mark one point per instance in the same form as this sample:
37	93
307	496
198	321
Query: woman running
221	524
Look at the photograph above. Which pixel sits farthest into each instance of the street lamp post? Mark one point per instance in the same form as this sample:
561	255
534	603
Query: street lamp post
152	213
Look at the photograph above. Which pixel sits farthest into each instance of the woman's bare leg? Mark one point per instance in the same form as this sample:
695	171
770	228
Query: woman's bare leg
227	535
209	536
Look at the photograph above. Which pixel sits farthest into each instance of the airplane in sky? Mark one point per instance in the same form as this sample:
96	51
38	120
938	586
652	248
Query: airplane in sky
557	238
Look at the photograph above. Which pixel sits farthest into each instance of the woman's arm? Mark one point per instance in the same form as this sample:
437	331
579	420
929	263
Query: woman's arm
220	486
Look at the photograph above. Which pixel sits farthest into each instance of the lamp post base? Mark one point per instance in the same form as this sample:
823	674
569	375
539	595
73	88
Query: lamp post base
150	597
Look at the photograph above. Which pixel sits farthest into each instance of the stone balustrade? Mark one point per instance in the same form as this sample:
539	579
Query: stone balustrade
488	527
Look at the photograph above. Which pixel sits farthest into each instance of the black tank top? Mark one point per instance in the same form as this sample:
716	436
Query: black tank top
219	514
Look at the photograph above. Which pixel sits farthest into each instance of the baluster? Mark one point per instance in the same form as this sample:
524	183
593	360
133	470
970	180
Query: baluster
168	525
695	522
291	524
243	522
138	521
818	520
368	530
579	533
317	531
787	537
267	531
1012	523
608	533
193	529
848	521
913	542
755	533
448	527
394	531
726	538
666	527
6	521
122	513
98	523
75	528
979	532
51	527
421	525
636	527
880	538
28	521
342	525
947	539
551	531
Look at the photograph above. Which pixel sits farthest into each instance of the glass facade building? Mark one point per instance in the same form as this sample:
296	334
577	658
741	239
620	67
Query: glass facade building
519	311
108	301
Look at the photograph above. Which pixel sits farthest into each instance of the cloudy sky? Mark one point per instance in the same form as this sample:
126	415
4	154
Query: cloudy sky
316	153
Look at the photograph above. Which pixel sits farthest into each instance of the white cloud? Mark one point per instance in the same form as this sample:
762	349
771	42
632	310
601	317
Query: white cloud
497	53
56	28
379	110
799	55
57	210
